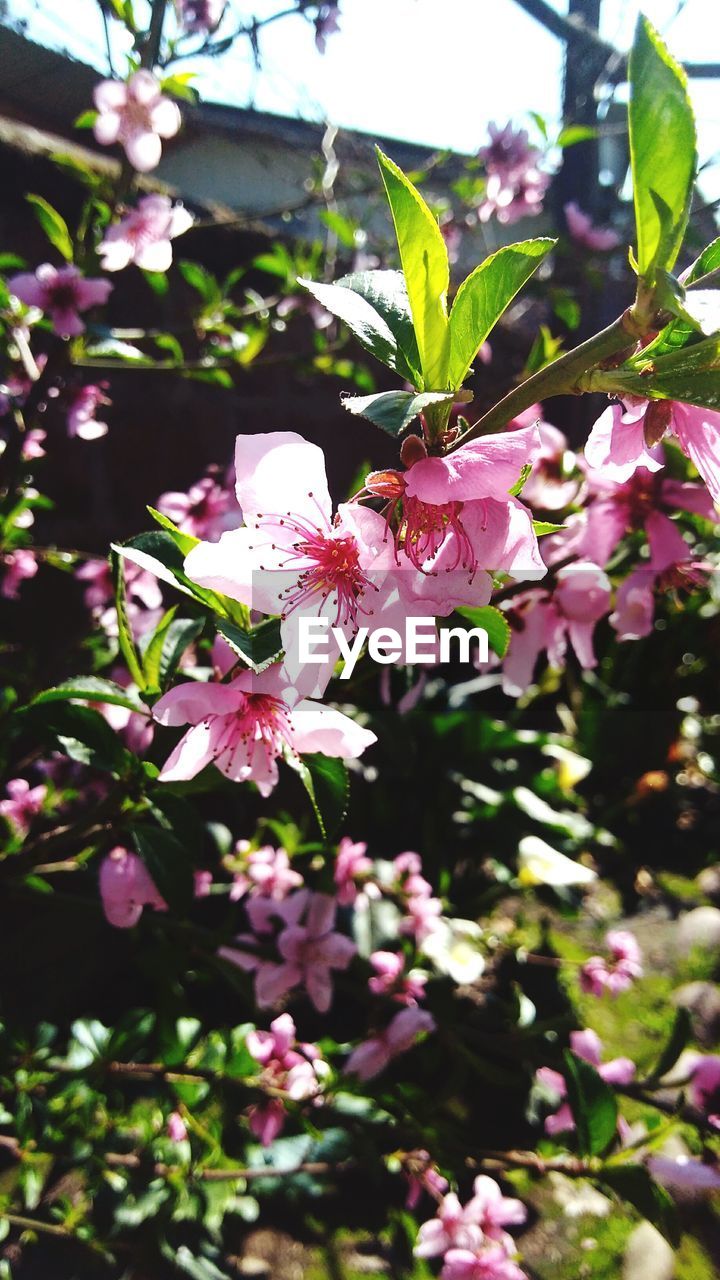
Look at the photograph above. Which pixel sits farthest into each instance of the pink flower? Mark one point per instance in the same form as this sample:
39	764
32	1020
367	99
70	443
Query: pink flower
508	152
206	511
454	1227
597	976
143	236
202	883
326	23
33	444
267	872
311	951
422	1176
586	1045
391	980
684	1177
493	1211
61	292
623	438
583	231
81	420
17	566
372	1056
22	803
176	1127
509	200
126	886
671	566
490	1263
544	622
244	726
551	486
292	556
200	16
350	864
705	1087
137	115
287	1065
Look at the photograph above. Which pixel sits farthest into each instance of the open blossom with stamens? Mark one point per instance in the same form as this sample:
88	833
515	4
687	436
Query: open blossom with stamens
585	233
287	1065
244	726
372	1056
16	566
586	1045
292	556
22	803
597	976
623	439
137	115
61	292
143	235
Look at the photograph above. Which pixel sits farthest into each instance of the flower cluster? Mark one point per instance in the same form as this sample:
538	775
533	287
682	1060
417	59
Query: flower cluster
472	1239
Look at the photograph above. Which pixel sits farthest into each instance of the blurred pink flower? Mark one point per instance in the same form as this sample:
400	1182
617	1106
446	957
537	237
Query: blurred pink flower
137	115
422	1176
176	1127
326	23
583	232
597	976
22	803
391	980
202	883
143	235
200	16
61	292
586	1045
543	622
351	863
17	567
287	1065
206	511
126	886
490	1263
81	420
267	872
372	1056
244	726
705	1087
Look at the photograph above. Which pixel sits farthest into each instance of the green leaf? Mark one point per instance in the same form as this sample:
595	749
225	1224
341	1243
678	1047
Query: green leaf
171	638
543	527
257	648
354	306
85	120
395	410
89	1043
593	1105
54	226
679	1036
689	375
521	480
159	553
662	149
167	860
492	621
633	1183
325	779
574	133
84	735
707	264
484	296
426	269
90	689
125	637
386	292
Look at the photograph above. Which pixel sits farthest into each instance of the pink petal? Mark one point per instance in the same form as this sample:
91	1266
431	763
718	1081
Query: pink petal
193	752
318	984
143	149
698	431
368	1059
110	95
316	728
488	467
276	473
194	701
165	118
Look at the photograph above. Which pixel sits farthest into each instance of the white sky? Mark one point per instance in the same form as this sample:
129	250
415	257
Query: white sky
430	71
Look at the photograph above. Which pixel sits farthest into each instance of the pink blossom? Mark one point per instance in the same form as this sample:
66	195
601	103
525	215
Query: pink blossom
311	951
391	980
544	622
22	803
287	1065
126	886
597	976
81	420
61	292
585	233
200	16
508	152
33	444
671	566
490	1263
350	864
202	883
143	235
456	1226
137	115
509	200
244	726
326	23
705	1087
206	511
372	1056
586	1045
17	567
551	485
623	439
421	908
176	1127
267	872
422	1176
292	556
684	1177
